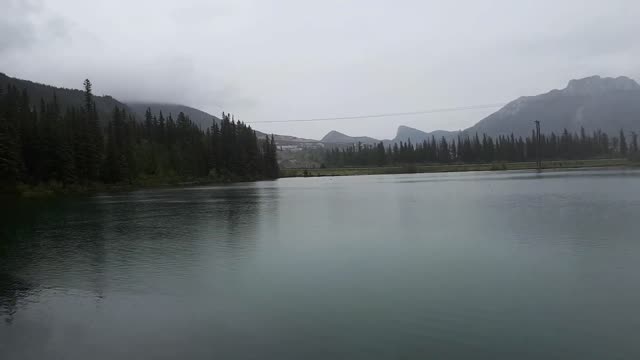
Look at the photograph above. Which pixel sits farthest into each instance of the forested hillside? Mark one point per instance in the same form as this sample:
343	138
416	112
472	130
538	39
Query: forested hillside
198	117
65	97
69	144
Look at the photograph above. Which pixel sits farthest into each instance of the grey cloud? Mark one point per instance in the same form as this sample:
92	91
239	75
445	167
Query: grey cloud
14	36
286	59
23	25
57	28
16	31
595	38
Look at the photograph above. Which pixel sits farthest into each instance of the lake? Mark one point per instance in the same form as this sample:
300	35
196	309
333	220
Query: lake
495	265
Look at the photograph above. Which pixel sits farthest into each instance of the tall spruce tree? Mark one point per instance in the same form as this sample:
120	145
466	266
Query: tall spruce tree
623	143
634	142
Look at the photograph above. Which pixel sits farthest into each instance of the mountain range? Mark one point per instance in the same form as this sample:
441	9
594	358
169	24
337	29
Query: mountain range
608	104
105	105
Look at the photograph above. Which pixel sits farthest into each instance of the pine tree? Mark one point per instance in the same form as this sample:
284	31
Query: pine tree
274	168
623	143
634	142
10	162
148	124
92	139
444	155
11	165
64	154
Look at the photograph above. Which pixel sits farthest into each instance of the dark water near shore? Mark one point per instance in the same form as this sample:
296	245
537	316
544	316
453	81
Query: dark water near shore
510	265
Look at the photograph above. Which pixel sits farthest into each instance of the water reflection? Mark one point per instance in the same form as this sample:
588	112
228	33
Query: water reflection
12	292
133	242
353	267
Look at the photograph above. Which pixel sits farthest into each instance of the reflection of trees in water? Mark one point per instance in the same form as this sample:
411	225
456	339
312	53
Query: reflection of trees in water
94	244
12	293
11	230
237	215
42	242
16	232
176	225
234	214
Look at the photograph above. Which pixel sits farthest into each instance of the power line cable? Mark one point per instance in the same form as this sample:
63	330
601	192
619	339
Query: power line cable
357	117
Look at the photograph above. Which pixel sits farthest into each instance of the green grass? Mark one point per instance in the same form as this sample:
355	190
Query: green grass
408	169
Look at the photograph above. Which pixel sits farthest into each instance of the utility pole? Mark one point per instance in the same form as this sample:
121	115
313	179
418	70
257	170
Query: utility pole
538	161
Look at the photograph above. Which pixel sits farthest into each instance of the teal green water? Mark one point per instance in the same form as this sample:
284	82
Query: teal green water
510	265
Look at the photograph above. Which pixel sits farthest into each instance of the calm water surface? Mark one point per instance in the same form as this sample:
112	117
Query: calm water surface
513	265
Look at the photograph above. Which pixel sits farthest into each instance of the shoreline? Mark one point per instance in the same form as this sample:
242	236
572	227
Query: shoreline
442	168
53	190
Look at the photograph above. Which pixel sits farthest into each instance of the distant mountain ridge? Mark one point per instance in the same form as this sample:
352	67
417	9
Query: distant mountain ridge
406	133
608	104
66	97
335	137
105	105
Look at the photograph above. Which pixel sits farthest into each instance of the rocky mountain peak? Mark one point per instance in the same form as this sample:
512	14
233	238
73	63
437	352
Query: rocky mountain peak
333	136
595	85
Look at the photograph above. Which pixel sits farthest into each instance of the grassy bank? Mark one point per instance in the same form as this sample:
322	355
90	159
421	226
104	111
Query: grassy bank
408	169
54	188
57	189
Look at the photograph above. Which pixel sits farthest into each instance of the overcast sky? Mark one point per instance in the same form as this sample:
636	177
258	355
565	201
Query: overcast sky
290	59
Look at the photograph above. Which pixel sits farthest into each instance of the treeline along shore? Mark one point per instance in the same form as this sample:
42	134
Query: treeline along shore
458	167
465	149
480	153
